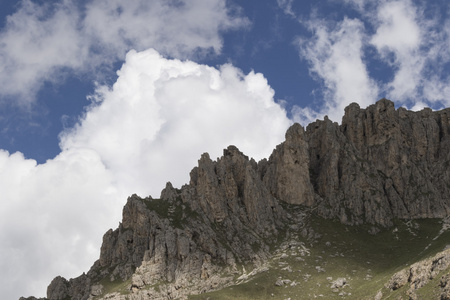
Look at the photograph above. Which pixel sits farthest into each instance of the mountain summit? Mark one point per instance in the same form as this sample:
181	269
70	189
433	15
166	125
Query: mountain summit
380	168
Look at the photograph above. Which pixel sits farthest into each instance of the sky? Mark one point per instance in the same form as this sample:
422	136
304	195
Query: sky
103	99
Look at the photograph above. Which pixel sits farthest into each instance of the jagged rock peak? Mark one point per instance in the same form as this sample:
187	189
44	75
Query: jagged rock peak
286	174
188	237
380	164
233	150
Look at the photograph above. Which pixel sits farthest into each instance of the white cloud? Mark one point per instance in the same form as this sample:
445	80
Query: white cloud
416	47
398	29
33	45
39	41
176	28
335	56
53	217
418	106
163	113
436	83
306	115
411	43
399	32
286	6
437	90
149	128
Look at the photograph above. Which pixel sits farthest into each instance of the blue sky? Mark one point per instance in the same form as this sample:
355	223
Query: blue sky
102	99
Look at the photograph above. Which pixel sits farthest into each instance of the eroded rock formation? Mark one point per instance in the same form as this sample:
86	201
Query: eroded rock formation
421	273
380	164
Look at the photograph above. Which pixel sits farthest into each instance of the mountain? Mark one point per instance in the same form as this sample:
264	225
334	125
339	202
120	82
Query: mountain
336	211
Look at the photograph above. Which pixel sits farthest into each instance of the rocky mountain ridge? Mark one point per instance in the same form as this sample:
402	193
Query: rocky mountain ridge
379	165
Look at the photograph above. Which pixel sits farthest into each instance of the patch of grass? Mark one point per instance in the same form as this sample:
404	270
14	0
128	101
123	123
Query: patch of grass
188	213
178	213
176	216
256	247
116	286
366	261
161	207
431	290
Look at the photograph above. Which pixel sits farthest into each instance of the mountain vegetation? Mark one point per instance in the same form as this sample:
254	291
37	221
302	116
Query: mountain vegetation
355	211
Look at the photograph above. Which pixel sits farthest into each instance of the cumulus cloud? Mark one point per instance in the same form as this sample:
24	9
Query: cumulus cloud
161	114
335	56
41	42
150	127
54	216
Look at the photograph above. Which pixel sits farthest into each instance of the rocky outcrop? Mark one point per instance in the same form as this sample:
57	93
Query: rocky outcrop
380	164
445	287
190	240
346	186
231	193
286	174
410	153
61	288
421	273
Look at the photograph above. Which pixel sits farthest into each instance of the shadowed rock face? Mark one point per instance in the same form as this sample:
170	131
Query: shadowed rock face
286	174
190	237
380	164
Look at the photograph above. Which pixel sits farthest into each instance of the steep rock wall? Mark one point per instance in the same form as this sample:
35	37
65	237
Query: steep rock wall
380	164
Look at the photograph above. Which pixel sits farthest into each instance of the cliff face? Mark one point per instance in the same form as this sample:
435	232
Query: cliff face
380	164
191	240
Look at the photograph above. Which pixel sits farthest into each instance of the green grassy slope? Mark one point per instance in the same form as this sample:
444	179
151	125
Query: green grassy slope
306	268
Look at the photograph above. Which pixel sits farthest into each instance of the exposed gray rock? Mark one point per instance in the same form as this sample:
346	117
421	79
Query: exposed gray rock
189	237
378	296
380	164
339	283
97	290
58	288
279	282
445	287
403	161
398	280
420	273
287	172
